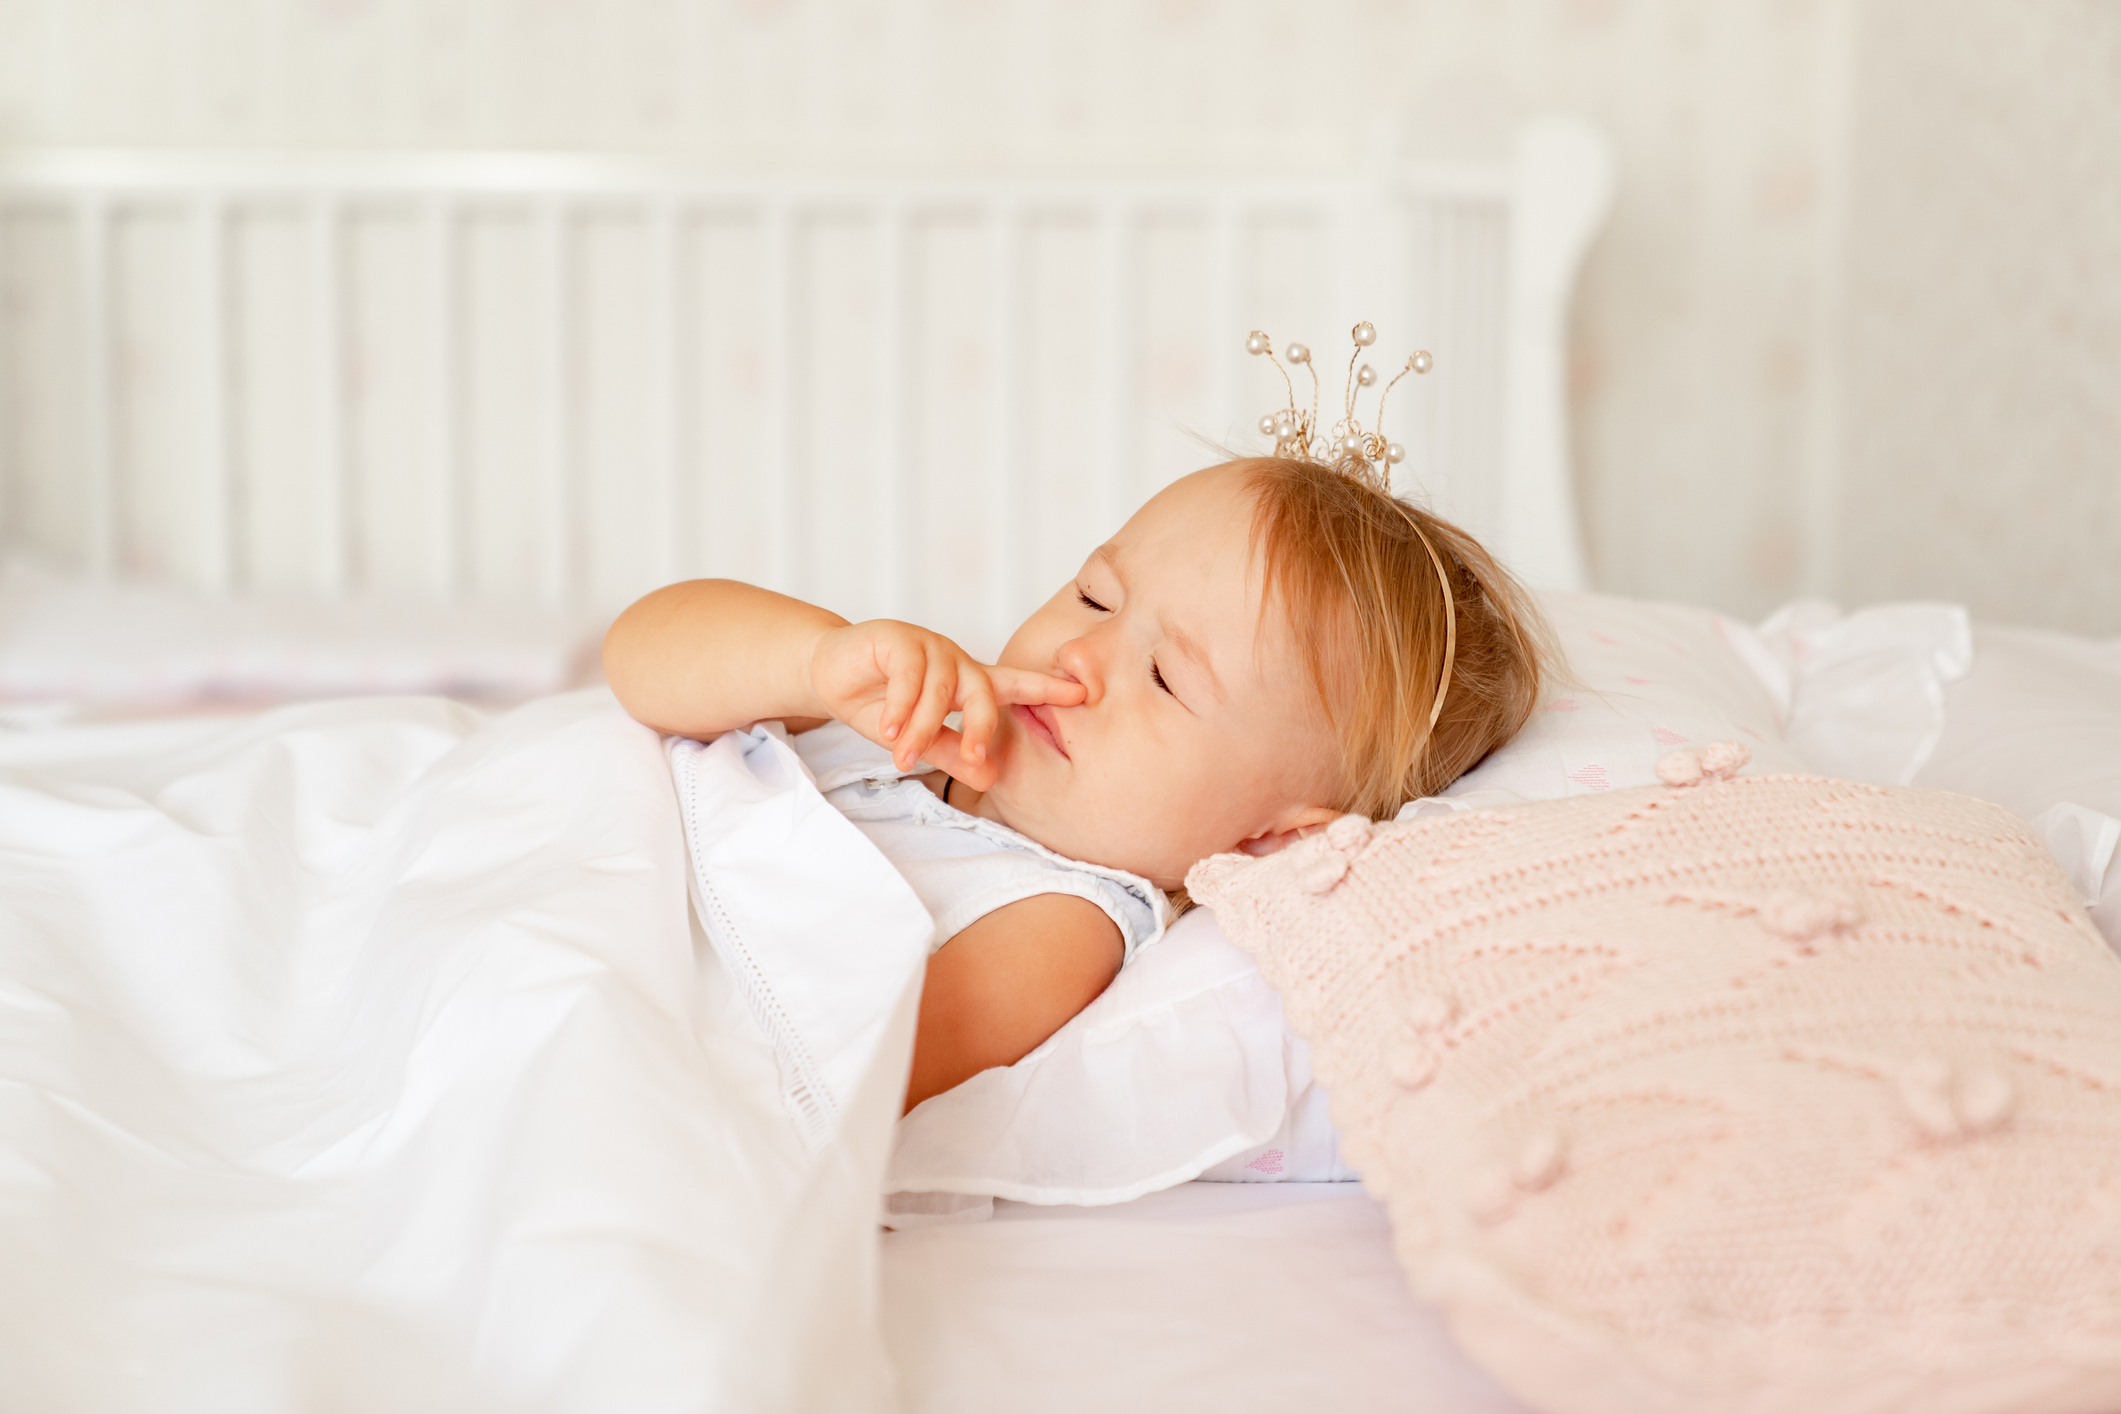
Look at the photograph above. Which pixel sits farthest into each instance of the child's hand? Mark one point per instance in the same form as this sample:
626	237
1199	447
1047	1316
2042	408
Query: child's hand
895	682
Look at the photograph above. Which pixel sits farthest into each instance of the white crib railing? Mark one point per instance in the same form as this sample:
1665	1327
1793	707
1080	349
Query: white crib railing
571	379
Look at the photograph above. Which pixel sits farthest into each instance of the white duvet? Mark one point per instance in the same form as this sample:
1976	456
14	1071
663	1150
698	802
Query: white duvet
366	1056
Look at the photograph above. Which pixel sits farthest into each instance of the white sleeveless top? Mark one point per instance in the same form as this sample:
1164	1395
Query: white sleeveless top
960	866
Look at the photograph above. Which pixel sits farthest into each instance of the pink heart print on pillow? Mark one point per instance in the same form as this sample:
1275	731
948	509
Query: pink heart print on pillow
1730	1093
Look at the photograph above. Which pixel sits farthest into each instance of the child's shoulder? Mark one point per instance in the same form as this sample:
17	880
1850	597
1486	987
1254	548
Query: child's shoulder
962	866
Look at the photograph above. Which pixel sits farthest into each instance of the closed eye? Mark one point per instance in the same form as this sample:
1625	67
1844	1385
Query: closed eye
1092	603
1158	674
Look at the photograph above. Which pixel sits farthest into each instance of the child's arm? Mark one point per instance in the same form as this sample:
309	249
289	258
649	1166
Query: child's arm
712	655
1006	982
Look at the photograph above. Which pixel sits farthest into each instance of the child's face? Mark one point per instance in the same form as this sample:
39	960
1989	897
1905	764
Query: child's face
1200	729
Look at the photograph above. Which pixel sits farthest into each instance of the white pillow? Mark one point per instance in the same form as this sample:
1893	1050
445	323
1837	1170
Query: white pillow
1306	1148
1184	1068
1646	678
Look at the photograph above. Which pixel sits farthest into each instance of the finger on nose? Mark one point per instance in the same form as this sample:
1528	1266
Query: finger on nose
1029	686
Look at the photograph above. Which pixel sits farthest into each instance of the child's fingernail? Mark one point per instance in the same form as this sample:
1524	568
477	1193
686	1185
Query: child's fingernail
979	753
891	732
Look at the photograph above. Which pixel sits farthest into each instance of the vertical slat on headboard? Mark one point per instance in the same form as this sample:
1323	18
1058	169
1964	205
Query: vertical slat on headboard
785	503
1345	236
1116	350
1225	229
894	466
1010	465
327	304
445	346
8	408
667	365
556	281
211	358
1443	284
93	260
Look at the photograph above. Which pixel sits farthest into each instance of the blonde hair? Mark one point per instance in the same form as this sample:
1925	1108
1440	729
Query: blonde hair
1356	575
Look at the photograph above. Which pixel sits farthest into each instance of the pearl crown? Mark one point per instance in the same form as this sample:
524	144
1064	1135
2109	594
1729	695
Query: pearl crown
1347	445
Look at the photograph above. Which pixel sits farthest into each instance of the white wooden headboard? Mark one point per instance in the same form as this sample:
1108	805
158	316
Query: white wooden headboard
571	379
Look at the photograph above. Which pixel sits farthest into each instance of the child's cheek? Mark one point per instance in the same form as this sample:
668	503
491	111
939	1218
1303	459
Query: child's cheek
1032	645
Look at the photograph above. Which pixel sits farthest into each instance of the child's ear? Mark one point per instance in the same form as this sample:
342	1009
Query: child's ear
1288	830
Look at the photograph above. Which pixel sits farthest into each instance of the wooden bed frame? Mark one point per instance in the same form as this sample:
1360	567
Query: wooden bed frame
563	380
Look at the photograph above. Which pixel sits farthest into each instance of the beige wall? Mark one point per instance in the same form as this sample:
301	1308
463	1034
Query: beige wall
1982	458
1855	327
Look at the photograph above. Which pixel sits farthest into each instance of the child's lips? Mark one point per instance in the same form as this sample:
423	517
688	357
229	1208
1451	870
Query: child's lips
1039	722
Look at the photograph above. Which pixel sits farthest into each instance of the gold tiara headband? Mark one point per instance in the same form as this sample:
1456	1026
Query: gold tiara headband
1363	454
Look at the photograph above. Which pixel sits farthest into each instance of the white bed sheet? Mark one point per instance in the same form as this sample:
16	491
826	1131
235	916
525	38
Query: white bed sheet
1208	1296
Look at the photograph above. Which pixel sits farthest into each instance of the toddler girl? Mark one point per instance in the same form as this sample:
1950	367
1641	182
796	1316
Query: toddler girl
1266	645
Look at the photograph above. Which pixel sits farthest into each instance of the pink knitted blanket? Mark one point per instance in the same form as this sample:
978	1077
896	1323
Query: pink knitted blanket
1735	1094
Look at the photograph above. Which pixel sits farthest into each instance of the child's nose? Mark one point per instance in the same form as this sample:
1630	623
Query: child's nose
1078	659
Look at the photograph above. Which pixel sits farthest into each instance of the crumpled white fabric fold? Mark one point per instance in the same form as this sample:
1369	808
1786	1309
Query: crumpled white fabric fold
1867	688
2083	842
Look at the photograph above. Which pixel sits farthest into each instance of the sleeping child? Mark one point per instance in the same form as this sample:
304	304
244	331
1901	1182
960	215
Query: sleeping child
1264	646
